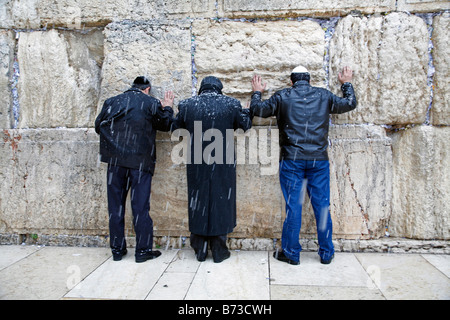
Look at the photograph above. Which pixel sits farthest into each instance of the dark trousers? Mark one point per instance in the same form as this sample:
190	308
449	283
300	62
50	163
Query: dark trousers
120	181
218	245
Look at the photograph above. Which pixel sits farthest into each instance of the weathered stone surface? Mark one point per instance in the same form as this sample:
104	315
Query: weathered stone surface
77	14
6	70
422	5
19	14
440	112
421	181
389	56
51	183
258	197
59	79
361	189
270	8
361	185
158	50
169	197
235	51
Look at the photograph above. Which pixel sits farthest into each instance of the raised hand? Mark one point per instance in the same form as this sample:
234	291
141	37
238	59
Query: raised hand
169	96
257	84
346	75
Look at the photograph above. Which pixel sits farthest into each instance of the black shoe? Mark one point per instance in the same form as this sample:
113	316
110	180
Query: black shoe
322	261
118	254
201	256
147	255
222	258
279	255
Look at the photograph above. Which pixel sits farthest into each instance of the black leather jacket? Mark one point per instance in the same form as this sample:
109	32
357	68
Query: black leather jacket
302	113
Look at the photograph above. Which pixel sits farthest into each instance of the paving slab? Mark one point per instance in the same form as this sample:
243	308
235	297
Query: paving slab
176	281
48	273
35	272
12	254
124	279
406	276
324	293
344	271
441	262
244	276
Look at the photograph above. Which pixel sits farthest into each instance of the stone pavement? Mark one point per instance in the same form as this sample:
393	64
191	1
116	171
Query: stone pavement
37	272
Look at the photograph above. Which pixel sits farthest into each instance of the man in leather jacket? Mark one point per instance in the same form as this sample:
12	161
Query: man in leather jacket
302	112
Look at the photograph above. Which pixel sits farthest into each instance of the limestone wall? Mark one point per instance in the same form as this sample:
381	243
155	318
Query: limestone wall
59	60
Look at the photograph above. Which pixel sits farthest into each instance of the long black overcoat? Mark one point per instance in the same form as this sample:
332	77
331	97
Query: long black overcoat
211	175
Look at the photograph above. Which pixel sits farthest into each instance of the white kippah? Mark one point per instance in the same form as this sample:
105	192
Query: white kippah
300	69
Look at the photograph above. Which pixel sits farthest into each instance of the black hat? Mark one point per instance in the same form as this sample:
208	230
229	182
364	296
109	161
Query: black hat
211	84
141	83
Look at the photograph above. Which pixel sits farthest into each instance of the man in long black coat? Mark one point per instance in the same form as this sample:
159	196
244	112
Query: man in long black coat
127	126
211	119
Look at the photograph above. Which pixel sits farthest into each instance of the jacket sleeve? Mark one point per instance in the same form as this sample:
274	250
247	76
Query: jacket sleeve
243	119
179	121
101	117
163	118
347	103
264	109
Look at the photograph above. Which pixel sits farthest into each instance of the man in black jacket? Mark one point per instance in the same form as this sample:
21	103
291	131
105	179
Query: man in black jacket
302	113
210	120
127	126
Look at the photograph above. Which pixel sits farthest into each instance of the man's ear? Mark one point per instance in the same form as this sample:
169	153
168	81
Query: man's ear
147	90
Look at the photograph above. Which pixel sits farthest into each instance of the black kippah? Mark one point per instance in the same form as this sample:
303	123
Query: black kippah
141	83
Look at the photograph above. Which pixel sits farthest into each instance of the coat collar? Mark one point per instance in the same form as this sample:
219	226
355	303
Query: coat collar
134	90
301	83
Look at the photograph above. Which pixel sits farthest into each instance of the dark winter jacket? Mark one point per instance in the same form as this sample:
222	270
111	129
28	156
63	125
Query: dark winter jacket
212	186
302	113
127	126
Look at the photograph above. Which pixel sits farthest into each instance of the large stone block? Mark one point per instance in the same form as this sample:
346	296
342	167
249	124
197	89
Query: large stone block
78	14
19	14
389	56
440	112
235	51
59	79
6	69
51	183
360	182
158	50
169	197
75	13
277	8
421	183
422	5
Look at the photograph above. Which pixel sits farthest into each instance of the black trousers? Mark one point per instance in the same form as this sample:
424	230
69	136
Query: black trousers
120	181
218	245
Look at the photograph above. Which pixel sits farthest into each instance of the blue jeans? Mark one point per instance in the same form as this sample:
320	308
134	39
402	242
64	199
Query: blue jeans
295	177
